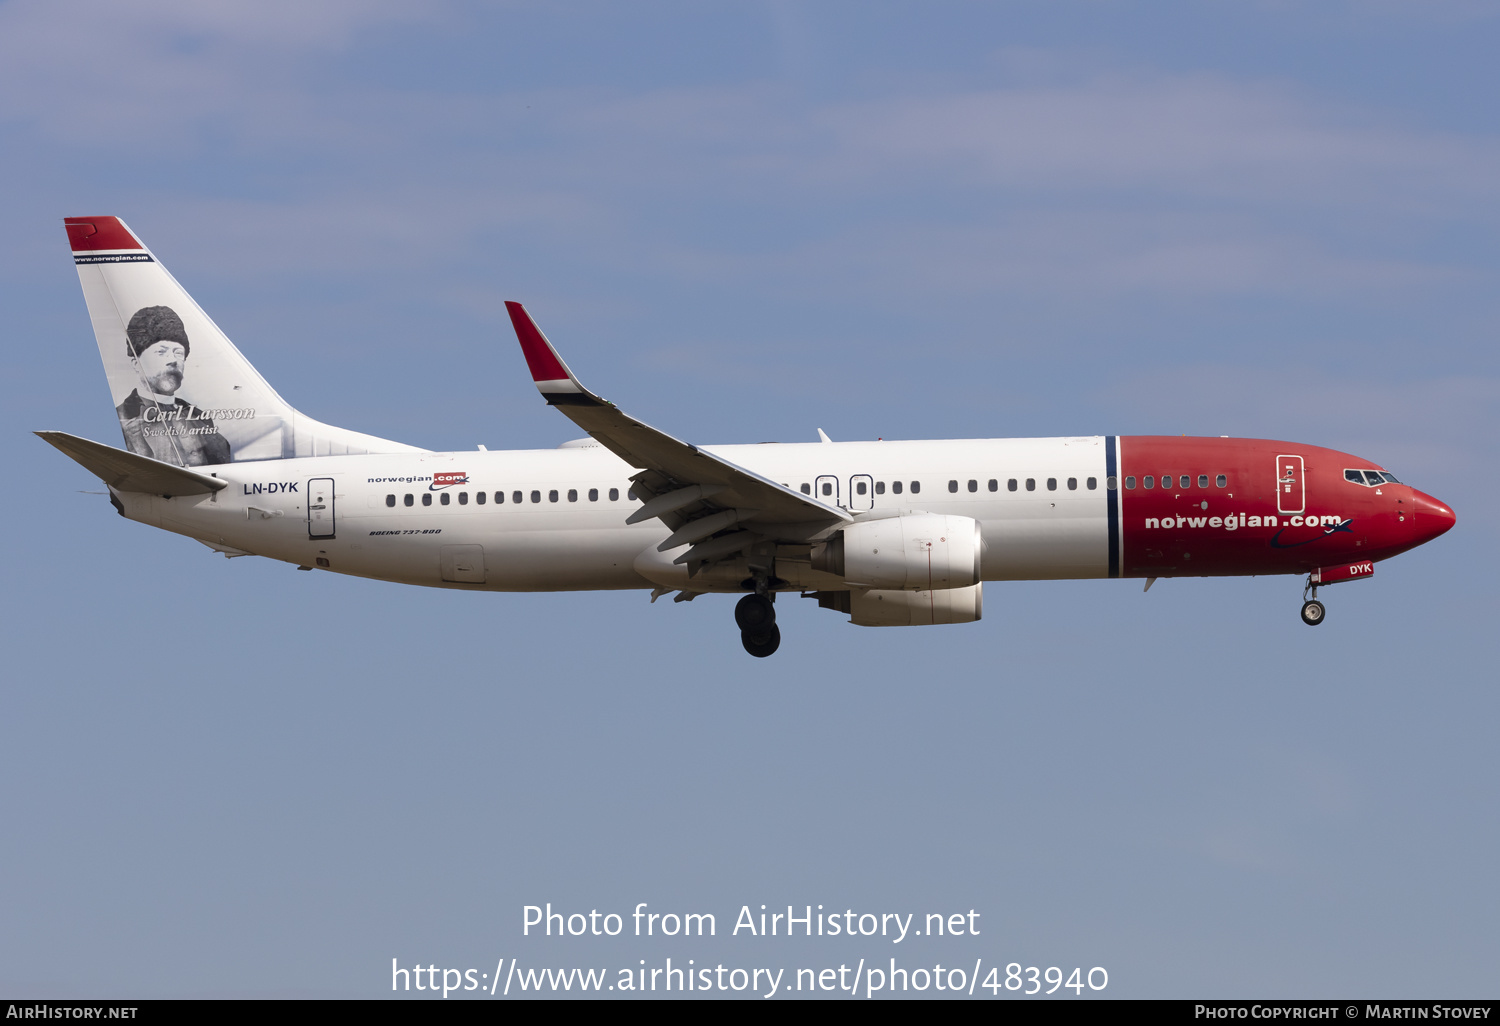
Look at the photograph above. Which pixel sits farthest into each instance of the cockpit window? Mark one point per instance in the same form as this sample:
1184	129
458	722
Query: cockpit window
1390	477
1357	476
1370	478
1373	478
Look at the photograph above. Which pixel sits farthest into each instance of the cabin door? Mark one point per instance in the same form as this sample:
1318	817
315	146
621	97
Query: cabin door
1291	489
320	507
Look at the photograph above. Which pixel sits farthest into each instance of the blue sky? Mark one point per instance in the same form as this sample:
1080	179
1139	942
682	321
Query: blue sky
744	222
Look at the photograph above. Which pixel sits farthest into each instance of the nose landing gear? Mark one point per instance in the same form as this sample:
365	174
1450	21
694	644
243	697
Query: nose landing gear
756	618
1312	609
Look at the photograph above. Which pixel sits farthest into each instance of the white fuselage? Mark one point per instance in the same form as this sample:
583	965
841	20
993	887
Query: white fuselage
566	533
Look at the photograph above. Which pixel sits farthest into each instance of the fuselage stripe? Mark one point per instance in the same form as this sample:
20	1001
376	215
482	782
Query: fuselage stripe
1112	502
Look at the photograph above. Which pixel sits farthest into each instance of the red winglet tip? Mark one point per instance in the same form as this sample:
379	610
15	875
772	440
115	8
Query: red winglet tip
543	362
87	234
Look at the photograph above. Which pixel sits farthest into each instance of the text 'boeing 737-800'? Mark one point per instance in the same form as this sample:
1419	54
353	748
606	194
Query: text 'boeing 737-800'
890	533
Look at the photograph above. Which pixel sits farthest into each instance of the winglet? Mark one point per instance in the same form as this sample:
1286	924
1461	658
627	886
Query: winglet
557	384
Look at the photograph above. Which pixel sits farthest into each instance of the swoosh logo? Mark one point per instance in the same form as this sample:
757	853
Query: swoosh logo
1347	526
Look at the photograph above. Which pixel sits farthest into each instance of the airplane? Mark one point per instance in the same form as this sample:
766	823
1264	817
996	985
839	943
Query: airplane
889	533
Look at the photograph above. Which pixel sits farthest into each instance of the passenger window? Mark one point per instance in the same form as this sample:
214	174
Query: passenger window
973	486
879	487
390	500
614	495
1092	483
1148	481
1221	480
1010	485
499	498
953	486
860	488
1202	480
593	495
463	498
552	495
407	500
1031	484
1051	484
445	498
515	497
994	485
1130	482
572	494
1072	484
479	497
896	487
827	487
427	498
916	486
1111	483
1186	481
536	496
806	488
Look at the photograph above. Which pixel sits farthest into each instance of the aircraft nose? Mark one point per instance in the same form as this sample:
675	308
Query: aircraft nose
1433	517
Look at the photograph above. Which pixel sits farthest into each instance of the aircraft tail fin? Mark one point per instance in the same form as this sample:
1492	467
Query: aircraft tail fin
184	394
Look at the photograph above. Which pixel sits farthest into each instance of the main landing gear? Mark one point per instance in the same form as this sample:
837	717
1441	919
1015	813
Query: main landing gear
756	617
1312	609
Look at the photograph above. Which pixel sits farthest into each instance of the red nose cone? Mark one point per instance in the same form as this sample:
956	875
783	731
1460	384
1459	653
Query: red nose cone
1433	517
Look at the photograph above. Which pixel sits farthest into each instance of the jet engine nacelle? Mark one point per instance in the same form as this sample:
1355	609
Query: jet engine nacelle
876	608
916	608
926	551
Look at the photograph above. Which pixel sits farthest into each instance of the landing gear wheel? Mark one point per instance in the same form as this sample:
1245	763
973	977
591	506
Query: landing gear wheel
761	643
754	615
1312	613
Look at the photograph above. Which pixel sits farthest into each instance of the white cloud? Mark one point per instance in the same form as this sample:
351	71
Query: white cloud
1075	182
1196	135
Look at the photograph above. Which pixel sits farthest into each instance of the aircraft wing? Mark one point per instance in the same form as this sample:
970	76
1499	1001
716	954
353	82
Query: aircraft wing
694	492
128	472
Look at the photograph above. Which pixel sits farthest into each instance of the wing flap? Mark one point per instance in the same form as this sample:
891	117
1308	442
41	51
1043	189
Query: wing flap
127	472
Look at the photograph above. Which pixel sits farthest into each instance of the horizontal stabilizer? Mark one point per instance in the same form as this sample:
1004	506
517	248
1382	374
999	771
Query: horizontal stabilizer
127	472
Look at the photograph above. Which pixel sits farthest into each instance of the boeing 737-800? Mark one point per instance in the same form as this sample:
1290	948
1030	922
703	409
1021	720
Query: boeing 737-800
890	533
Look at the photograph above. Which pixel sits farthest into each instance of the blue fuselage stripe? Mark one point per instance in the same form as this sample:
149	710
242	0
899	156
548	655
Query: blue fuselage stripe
1112	494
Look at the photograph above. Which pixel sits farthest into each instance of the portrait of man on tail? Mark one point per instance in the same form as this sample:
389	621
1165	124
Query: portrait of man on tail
157	421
